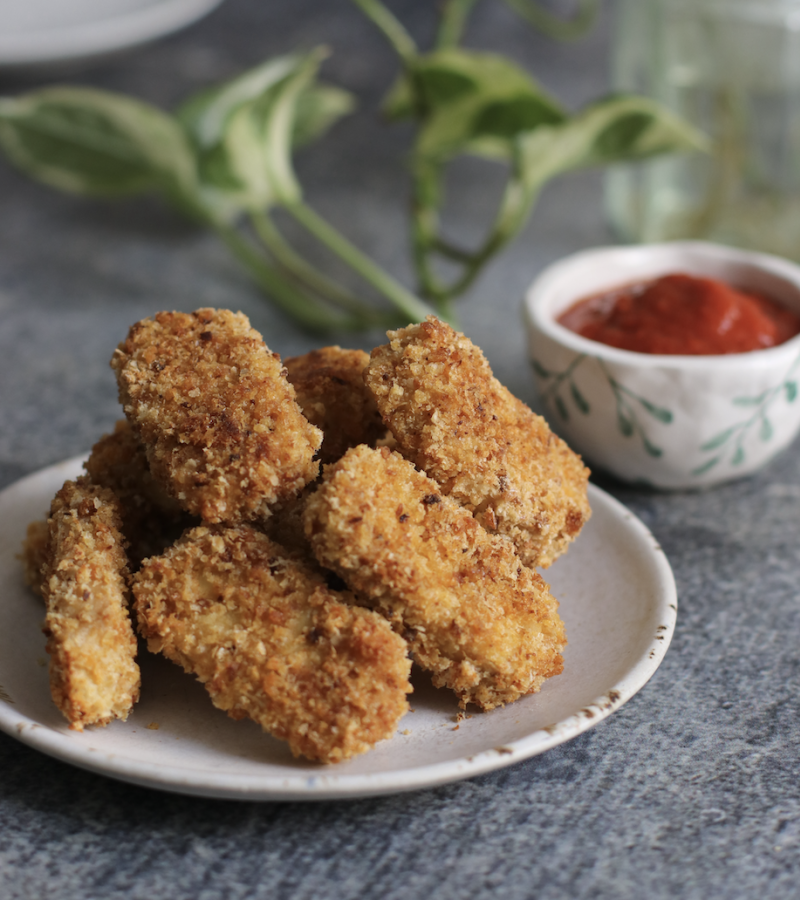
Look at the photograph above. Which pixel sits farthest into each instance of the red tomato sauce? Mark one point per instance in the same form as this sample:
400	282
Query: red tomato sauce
682	314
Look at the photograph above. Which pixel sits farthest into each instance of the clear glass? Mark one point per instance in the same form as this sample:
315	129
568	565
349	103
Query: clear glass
732	68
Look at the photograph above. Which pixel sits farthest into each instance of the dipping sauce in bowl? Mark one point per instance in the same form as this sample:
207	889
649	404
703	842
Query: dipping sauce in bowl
688	374
681	314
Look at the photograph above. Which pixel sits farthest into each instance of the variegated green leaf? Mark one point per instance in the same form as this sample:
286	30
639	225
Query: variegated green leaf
319	108
206	115
562	29
96	142
247	129
243	149
471	102
427	89
613	130
274	117
434	81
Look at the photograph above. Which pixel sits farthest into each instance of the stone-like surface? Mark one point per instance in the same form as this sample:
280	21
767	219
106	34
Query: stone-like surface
692	789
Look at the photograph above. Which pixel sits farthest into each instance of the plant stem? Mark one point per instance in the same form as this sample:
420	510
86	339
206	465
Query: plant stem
286	256
518	197
391	27
514	209
396	293
453	21
450	251
300	306
553	26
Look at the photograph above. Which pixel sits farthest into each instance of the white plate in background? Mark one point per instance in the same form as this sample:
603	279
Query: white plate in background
618	602
48	32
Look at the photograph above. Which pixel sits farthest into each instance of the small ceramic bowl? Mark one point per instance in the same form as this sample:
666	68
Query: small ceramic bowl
671	422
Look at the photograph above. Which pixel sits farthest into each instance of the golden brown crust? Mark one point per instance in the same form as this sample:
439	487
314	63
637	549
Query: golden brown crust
481	622
270	641
217	417
286	526
93	674
151	519
34	554
330	390
484	447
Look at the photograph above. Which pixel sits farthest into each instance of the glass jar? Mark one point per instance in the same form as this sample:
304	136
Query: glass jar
732	69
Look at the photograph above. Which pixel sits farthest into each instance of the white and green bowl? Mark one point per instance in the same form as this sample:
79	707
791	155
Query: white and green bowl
672	422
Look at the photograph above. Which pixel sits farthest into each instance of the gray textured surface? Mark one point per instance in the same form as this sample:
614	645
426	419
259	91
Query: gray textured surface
689	790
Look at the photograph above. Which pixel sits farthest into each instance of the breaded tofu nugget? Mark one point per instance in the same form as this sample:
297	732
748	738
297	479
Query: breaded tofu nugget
94	677
215	413
271	642
34	554
481	622
151	519
286	526
331	392
485	448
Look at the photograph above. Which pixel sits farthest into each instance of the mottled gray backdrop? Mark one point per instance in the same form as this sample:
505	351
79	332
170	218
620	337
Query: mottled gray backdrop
690	790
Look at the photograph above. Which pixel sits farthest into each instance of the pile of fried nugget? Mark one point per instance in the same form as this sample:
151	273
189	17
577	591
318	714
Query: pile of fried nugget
295	533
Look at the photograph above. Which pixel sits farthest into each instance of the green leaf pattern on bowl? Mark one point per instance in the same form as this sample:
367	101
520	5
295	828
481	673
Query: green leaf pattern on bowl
730	442
630	405
560	389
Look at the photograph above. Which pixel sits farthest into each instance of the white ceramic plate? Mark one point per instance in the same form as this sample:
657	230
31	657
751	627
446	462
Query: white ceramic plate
617	598
45	32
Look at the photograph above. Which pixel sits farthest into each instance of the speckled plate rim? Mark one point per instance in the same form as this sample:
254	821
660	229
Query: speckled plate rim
614	537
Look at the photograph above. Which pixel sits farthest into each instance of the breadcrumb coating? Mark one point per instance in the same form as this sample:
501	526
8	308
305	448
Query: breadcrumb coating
485	448
330	390
271	642
94	677
151	519
481	622
34	554
285	526
216	414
